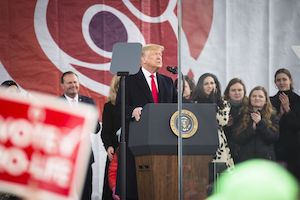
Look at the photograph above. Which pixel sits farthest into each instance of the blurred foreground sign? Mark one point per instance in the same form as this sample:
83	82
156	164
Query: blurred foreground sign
44	146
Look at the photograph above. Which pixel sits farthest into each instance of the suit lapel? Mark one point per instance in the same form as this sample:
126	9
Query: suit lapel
142	83
161	88
80	98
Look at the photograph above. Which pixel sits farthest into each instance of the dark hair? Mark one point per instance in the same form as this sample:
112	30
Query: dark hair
9	83
189	80
286	72
64	74
199	89
199	95
232	82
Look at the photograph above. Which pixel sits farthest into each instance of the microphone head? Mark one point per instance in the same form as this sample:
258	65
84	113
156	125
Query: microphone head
173	70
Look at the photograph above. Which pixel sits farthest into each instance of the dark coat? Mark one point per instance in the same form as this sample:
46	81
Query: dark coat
288	143
87	190
235	113
258	143
111	122
87	100
138	94
287	147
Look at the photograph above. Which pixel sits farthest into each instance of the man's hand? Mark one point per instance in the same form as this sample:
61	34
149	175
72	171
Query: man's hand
136	113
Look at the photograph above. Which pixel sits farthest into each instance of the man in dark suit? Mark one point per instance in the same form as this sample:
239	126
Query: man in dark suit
70	85
147	86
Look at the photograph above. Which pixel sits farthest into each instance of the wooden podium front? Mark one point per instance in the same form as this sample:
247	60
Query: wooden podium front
155	148
157	177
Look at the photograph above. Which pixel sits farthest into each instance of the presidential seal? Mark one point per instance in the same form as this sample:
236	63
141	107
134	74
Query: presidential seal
189	123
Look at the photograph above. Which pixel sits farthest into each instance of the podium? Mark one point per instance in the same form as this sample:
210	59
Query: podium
154	146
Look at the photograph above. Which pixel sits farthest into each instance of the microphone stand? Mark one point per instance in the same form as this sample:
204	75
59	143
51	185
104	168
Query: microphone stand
123	140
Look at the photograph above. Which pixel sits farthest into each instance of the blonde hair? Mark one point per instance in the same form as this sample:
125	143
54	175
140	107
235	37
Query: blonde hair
149	47
113	90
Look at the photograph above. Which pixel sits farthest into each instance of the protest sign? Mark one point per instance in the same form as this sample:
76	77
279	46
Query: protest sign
44	146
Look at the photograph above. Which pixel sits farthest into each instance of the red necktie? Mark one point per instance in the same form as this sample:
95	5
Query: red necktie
154	89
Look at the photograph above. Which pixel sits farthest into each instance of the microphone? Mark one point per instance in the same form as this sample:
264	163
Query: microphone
173	69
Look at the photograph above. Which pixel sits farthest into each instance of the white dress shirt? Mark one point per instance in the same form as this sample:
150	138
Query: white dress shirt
72	101
148	78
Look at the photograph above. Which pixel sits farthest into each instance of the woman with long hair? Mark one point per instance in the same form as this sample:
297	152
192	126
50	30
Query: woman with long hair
287	104
187	89
258	129
235	94
208	90
111	122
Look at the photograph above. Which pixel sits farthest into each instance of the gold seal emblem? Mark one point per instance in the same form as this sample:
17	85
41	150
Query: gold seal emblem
189	123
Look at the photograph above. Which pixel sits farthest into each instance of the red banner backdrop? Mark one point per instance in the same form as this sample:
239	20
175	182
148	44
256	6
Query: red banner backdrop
41	39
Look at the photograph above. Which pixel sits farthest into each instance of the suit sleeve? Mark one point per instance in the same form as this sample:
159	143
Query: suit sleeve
91	101
170	94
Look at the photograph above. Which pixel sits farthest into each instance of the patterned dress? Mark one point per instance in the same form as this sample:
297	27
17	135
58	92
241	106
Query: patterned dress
223	152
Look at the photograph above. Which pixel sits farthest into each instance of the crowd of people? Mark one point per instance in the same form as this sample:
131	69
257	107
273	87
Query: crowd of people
249	127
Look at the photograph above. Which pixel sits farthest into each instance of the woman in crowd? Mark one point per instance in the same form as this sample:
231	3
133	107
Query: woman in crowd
188	87
258	129
111	122
208	91
287	104
235	94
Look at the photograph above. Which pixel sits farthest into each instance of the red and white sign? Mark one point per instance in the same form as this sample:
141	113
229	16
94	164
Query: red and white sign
44	146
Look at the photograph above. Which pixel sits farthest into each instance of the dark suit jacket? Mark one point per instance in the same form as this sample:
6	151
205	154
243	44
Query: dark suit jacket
138	94
87	190
87	100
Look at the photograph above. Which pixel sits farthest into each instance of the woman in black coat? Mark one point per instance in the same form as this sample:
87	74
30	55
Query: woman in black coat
287	104
111	123
258	129
235	94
